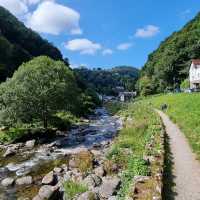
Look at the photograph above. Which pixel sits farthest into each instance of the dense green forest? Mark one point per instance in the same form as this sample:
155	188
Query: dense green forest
106	81
169	65
19	44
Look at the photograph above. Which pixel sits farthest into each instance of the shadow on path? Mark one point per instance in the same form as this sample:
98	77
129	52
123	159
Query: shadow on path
168	177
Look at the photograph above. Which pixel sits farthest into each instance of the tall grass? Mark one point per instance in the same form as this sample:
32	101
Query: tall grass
130	146
184	110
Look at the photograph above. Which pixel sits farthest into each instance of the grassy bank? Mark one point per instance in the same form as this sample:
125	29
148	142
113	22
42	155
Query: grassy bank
140	137
184	110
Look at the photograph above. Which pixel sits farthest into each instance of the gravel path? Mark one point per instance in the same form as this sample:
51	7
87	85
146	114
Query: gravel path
186	169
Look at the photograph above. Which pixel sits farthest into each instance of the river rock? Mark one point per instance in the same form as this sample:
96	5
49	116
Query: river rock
99	171
49	179
37	197
112	198
92	181
47	192
88	196
9	152
67	176
30	144
7	182
72	163
57	170
27	180
109	187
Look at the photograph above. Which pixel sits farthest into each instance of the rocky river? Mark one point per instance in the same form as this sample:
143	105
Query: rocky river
23	166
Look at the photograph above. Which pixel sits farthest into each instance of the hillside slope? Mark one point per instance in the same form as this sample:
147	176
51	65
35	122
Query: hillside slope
169	64
183	109
105	81
19	44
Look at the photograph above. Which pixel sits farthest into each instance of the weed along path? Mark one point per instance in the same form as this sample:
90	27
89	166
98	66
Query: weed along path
186	169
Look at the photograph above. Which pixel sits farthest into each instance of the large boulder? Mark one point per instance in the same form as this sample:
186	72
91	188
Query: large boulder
7	182
49	179
27	180
9	152
92	181
109	187
58	170
30	144
47	192
99	171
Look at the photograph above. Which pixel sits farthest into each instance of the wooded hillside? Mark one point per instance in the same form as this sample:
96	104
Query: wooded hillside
19	44
106	81
169	64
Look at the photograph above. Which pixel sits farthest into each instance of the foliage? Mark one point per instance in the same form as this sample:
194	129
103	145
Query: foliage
72	189
183	109
106	81
12	134
145	86
185	84
19	44
38	90
114	106
129	147
169	65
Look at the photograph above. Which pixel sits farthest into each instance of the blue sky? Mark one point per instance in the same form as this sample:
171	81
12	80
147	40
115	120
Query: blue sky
105	33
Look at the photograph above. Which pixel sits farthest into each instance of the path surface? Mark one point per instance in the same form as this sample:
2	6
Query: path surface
186	169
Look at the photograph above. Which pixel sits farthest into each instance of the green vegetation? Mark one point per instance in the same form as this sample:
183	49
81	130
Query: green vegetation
169	65
114	106
106	81
19	44
38	90
72	189
185	84
183	109
42	93
130	146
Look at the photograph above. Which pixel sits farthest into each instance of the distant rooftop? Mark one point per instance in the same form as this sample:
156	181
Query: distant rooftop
196	61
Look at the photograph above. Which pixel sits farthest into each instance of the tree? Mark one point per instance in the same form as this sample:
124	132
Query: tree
37	91
145	86
173	57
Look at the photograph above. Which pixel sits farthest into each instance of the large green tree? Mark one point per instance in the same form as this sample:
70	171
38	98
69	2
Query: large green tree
37	91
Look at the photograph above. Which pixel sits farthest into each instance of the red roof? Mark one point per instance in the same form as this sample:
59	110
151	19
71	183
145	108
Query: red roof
196	61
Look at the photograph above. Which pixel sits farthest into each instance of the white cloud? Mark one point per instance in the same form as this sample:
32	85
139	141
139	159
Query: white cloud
84	46
148	31
124	46
33	2
53	18
107	52
16	7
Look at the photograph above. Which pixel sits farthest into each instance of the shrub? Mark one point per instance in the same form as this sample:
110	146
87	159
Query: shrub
38	90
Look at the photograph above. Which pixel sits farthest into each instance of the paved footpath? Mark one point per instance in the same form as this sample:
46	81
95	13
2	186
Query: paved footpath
186	169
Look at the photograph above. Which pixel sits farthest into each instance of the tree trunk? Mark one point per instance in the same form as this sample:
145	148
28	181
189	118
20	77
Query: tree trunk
45	121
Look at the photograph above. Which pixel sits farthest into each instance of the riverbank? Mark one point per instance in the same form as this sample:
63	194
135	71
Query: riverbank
39	159
92	161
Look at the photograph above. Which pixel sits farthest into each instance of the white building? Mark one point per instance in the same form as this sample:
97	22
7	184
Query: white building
126	96
194	74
